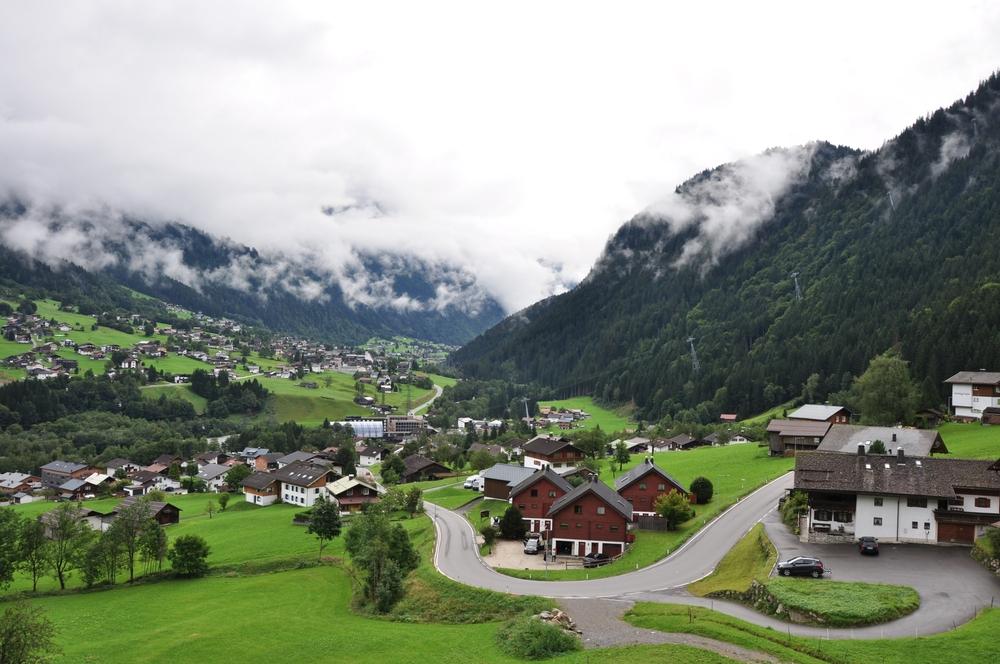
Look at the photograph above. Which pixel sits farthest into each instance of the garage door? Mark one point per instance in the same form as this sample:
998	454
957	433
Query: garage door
960	533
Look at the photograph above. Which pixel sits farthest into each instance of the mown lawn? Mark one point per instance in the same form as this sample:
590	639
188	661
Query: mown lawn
734	470
973	441
452	497
972	643
753	557
609	420
441	381
844	603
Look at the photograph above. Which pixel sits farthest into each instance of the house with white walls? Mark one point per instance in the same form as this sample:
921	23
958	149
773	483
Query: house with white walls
972	392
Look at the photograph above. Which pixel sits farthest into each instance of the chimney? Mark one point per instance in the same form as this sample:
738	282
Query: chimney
861	449
899	455
894	436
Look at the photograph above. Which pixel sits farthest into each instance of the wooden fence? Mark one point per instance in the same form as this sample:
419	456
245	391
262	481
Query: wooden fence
657	523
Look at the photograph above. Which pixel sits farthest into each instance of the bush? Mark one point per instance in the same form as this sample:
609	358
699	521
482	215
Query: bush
702	489
189	556
530	638
794	505
674	508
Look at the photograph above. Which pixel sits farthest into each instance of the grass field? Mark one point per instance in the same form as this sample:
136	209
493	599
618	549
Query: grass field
441	381
180	391
972	441
734	470
762	419
753	557
609	421
972	643
844	603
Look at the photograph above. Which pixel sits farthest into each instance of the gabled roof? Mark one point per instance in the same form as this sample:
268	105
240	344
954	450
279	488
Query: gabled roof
545	473
507	472
259	480
119	463
815	411
976	378
300	474
935	477
63	466
806	428
546	445
417	462
599	489
155	506
345	483
915	442
643	469
683	440
72	485
296	456
213	470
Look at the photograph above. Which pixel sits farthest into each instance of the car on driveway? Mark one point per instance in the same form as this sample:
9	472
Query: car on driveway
868	546
802	566
596	559
532	545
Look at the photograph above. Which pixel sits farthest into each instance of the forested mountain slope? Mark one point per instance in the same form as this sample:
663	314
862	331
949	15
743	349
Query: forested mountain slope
894	247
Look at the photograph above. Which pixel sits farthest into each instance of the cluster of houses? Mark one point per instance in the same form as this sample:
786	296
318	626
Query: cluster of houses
891	482
590	517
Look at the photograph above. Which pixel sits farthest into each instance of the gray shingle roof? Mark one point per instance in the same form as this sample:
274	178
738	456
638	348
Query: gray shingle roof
546	473
599	489
259	480
976	378
643	469
296	456
213	470
814	411
300	474
931	476
507	472
915	442
63	466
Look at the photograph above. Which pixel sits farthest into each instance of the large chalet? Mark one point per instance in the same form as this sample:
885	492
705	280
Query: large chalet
535	495
557	453
589	519
642	485
972	392
896	498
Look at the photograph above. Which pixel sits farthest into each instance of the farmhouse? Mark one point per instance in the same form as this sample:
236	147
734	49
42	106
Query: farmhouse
300	456
261	488
57	473
637	444
642	485
302	483
112	466
418	467
14	483
164	513
353	493
821	413
535	495
685	442
369	455
551	451
896	498
845	438
972	392
499	478
786	437
590	519
214	476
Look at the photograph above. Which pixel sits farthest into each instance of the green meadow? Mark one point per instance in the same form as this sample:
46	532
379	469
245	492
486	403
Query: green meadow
609	420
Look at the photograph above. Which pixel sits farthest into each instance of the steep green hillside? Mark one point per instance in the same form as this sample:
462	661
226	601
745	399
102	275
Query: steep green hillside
890	247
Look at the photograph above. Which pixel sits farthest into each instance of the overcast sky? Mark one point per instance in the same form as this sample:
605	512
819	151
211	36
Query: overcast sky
511	138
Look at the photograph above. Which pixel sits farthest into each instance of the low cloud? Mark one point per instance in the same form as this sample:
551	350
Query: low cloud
953	146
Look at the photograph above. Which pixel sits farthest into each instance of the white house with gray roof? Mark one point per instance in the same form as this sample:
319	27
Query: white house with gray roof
972	392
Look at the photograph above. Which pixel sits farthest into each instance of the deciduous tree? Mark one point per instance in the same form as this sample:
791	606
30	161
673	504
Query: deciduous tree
674	508
324	522
189	556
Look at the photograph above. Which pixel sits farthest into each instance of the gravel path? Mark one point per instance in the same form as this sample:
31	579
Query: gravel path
602	626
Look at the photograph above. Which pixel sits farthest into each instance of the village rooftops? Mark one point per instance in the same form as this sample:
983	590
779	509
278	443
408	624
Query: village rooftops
804	428
599	489
975	378
545	473
212	471
890	475
63	467
300	474
642	470
252	452
345	483
119	463
813	411
845	438
417	462
545	445
296	456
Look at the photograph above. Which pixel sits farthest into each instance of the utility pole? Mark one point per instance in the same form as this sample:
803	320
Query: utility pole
798	291
695	364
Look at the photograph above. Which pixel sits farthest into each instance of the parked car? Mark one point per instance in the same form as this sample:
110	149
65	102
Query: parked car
868	546
470	482
532	545
596	559
802	566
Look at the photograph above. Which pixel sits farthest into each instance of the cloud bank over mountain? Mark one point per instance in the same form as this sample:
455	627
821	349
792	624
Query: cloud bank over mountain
494	152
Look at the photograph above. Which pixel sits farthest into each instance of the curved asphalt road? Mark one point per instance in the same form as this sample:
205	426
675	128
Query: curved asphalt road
456	555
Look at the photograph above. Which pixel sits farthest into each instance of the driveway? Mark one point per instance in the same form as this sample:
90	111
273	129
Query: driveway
512	556
952	586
